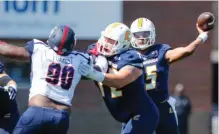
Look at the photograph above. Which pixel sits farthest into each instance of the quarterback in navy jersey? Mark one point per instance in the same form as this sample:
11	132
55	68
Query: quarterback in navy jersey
122	86
157	58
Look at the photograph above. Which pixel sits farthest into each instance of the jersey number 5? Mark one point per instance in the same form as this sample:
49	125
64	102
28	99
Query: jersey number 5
151	77
54	72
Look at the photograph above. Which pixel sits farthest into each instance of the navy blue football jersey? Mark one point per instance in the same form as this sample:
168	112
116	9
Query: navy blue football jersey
156	72
132	99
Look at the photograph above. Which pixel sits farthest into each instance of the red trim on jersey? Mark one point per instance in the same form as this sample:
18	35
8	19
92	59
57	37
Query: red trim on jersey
94	50
63	40
2	42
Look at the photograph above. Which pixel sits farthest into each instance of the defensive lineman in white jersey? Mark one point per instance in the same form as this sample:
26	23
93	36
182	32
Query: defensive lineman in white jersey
54	76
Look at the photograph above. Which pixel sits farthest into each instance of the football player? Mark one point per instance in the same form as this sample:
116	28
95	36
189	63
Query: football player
9	113
157	58
54	77
121	81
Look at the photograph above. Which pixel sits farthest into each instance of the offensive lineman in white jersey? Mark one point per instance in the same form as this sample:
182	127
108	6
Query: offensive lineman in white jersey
54	77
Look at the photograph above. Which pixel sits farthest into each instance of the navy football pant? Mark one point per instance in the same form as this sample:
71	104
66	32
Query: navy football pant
41	120
9	120
168	123
143	123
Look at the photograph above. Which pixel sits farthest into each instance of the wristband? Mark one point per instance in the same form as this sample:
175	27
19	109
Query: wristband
203	36
13	86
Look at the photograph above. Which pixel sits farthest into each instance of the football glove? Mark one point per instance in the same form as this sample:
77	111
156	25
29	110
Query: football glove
102	63
88	71
12	91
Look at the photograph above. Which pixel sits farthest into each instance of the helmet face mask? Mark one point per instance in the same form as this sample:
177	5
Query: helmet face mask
143	31
115	39
106	46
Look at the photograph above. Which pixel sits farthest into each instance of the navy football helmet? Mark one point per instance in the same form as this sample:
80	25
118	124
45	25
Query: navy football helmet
62	39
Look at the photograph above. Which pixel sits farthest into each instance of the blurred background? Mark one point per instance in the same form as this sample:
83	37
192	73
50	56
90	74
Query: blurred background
174	21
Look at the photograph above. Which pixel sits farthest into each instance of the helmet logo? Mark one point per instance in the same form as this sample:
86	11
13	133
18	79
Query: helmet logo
127	35
114	25
140	22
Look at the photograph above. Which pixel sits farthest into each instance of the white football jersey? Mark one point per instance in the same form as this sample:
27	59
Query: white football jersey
53	75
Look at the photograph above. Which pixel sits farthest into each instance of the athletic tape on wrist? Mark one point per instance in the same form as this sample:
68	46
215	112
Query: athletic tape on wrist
203	36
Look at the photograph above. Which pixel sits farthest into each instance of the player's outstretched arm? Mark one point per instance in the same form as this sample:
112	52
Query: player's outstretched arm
14	52
123	77
120	79
182	52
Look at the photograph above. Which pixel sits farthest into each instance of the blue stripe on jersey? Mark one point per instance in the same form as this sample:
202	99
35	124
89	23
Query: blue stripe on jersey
29	46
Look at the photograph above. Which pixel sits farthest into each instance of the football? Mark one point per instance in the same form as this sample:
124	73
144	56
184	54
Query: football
206	21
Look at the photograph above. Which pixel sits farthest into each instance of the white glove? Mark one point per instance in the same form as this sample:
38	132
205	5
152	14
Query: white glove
88	71
102	63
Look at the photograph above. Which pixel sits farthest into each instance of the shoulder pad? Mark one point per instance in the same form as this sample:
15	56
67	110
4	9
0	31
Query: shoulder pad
38	41
82	55
165	47
130	57
157	50
34	45
162	47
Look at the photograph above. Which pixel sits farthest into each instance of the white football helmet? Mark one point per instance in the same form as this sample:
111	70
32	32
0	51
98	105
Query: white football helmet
143	31
115	39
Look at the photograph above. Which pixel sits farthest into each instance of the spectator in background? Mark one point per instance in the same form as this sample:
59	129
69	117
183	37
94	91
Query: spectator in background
183	108
214	119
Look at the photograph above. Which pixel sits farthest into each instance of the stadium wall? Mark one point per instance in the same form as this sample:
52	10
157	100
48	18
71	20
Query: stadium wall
175	25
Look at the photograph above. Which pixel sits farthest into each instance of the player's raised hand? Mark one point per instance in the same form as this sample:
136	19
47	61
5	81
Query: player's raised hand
200	30
205	22
203	35
11	92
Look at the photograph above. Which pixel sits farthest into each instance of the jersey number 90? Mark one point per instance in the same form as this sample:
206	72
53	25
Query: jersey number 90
56	73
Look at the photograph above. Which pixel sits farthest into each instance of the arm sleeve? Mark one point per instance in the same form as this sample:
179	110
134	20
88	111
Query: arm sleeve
29	46
164	49
33	45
